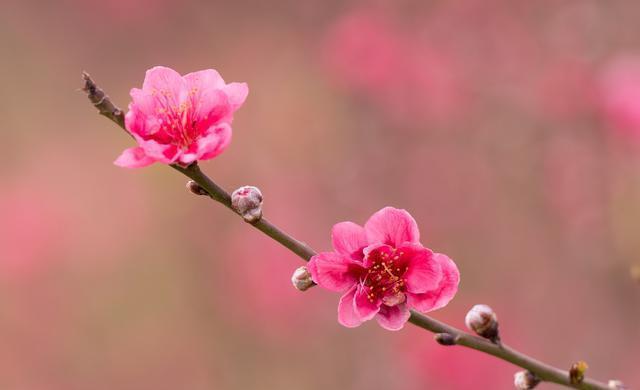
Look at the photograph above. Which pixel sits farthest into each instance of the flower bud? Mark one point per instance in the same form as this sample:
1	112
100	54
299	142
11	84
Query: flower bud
301	279
615	384
482	320
445	339
195	188
576	373
525	380
247	201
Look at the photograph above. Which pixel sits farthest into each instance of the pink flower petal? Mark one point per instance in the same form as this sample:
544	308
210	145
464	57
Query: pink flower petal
346	310
186	159
349	239
441	295
392	226
142	119
167	154
333	271
134	120
208	101
204	79
144	102
166	85
423	270
237	93
215	142
393	317
365	309
213	107
133	158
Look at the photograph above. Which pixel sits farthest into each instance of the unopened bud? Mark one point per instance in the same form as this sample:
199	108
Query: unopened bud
247	201
301	279
195	188
615	384
482	320
525	380
576	373
445	339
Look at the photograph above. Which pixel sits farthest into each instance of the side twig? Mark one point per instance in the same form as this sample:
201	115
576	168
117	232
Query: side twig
456	336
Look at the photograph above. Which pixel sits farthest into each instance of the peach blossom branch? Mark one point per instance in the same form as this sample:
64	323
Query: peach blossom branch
445	334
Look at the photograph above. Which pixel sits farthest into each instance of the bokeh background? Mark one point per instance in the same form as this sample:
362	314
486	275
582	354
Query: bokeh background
510	130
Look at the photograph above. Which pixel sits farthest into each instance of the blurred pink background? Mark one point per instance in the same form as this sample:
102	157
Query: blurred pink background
510	130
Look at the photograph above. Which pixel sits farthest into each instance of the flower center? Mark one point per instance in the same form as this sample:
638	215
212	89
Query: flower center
177	121
384	279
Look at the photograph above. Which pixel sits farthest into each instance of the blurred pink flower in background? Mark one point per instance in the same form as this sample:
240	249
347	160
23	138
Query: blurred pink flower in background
567	88
407	78
30	232
178	119
573	184
54	222
467	188
256	273
620	94
365	50
384	271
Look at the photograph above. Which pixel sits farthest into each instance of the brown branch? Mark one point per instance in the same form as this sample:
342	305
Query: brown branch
102	102
542	370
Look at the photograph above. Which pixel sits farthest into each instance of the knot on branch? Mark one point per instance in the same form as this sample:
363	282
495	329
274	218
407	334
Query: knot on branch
445	339
195	188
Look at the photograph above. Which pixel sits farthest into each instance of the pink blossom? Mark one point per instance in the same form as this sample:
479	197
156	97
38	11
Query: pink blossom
566	89
620	95
384	271
401	73
180	119
30	237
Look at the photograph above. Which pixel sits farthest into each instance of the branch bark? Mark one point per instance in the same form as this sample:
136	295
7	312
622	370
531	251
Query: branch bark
542	370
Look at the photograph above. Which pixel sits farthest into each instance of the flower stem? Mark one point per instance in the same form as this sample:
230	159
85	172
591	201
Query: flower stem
542	370
218	194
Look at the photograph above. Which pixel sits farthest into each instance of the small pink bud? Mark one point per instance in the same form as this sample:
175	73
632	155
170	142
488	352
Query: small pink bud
525	380
482	320
247	201
195	188
301	279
